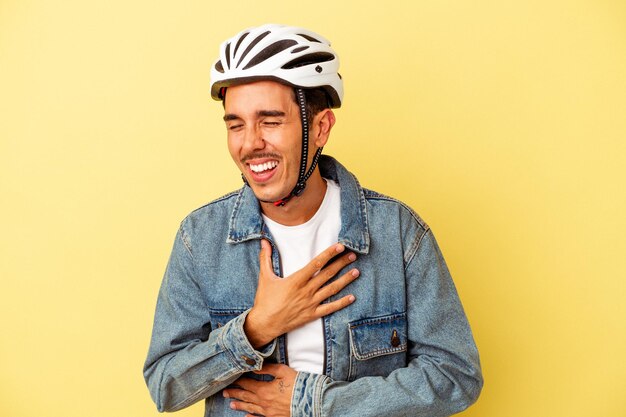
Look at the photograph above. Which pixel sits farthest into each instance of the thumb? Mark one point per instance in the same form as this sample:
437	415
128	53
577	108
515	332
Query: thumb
265	257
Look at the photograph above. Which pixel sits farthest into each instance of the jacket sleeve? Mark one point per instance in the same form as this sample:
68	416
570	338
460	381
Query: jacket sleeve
187	359
443	375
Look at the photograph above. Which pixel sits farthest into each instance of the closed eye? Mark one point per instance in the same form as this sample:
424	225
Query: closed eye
234	126
271	123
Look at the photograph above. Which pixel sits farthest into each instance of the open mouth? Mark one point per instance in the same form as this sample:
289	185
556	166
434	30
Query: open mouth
261	168
262	171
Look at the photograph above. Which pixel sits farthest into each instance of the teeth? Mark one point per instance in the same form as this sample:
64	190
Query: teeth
263	167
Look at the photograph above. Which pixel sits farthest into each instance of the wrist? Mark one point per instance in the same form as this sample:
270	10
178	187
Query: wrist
258	333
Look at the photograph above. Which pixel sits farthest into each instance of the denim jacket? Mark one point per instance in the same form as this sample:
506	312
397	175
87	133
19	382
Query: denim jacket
403	348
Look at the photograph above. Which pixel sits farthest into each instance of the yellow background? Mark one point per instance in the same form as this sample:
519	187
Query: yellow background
502	123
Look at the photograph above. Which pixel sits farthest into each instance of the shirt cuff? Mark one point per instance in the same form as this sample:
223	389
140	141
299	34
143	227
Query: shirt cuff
306	399
234	340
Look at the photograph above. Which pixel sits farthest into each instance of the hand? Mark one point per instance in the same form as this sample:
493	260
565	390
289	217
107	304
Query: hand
266	398
283	304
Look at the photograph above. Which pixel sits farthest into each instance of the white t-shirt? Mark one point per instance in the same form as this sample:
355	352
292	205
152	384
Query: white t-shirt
297	245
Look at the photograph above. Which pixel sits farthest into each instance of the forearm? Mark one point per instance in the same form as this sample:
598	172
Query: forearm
199	369
422	389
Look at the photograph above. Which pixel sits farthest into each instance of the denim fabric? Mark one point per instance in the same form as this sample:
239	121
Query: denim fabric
403	348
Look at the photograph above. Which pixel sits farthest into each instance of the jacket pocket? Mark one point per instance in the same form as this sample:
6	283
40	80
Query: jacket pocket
378	345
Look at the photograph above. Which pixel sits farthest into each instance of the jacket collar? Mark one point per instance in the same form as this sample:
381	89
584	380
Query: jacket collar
246	222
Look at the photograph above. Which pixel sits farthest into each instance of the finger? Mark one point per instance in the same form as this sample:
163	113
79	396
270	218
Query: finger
248	384
329	308
331	270
247	407
336	286
242	395
322	259
265	258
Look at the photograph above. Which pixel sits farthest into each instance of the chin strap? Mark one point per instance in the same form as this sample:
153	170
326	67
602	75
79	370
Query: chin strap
303	175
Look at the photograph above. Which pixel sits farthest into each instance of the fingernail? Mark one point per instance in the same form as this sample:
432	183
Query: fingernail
351	298
225	394
355	273
352	256
339	248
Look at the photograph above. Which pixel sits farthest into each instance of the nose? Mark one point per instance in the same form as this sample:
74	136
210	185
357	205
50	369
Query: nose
253	140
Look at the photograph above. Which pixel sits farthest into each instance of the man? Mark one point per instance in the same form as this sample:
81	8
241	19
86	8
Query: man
302	293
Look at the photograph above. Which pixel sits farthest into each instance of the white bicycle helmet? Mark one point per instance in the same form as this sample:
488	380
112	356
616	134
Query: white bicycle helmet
294	56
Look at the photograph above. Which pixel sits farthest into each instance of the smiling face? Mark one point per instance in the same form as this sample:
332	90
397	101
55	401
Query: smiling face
265	136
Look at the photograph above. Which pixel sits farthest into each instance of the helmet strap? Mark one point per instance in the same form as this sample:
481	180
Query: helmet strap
303	174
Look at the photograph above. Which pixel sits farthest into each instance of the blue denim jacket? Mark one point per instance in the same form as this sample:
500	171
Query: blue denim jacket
403	348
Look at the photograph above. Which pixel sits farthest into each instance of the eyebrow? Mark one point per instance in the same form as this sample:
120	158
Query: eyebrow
229	117
260	113
271	113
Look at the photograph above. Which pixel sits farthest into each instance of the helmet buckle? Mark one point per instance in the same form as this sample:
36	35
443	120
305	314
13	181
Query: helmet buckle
299	188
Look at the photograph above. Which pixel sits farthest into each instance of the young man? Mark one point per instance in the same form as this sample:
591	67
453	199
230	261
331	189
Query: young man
302	293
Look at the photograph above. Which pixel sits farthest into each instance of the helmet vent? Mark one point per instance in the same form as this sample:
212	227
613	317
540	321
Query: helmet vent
314	58
309	38
227	53
239	42
270	51
219	67
299	49
252	45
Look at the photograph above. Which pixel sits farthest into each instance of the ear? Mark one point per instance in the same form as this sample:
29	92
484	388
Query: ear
323	123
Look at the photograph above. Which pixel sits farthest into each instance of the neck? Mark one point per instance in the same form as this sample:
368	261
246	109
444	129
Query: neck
299	209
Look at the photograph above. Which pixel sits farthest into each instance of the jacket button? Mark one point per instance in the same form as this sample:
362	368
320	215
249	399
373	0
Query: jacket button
248	360
395	340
